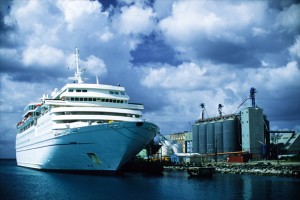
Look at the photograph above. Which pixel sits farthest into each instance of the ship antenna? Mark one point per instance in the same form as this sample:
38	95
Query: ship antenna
79	70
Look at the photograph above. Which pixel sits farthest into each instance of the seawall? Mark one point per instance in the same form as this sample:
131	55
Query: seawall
259	168
266	168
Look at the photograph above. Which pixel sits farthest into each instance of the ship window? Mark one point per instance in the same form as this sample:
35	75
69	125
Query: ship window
81	99
72	98
116	92
106	100
78	90
84	90
121	101
94	99
123	93
110	100
85	99
76	99
114	101
111	92
90	99
70	90
102	100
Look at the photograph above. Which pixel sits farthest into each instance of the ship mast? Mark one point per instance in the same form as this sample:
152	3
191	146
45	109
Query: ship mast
79	70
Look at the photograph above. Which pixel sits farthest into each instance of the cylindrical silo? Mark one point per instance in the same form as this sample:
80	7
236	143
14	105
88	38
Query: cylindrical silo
202	138
219	136
210	138
195	133
230	135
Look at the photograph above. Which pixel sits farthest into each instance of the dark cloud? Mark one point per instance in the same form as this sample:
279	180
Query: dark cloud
8	26
281	4
154	50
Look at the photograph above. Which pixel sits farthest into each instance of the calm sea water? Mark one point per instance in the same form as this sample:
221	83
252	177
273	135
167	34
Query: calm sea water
22	183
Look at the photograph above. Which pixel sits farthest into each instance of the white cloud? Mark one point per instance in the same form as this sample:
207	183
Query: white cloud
273	79
29	13
43	56
295	48
135	20
193	19
186	75
75	11
105	35
289	18
95	65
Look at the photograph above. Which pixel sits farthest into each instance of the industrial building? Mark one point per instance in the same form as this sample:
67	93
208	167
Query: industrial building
229	134
244	133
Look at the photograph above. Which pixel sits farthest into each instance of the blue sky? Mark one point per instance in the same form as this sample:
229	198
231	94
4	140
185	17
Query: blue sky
170	55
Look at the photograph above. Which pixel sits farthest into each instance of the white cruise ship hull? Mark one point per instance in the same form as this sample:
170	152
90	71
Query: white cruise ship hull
104	147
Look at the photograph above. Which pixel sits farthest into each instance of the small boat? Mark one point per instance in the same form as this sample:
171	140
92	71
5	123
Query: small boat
201	171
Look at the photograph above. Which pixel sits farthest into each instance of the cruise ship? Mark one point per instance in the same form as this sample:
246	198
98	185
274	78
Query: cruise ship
82	126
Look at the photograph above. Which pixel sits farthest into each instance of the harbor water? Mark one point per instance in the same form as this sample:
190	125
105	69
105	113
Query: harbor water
22	183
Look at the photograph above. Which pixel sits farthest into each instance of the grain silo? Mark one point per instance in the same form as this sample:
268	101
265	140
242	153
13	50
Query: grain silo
195	143
210	137
230	134
219	136
202	138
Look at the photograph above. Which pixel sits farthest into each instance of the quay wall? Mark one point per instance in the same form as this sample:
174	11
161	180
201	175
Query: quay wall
255	168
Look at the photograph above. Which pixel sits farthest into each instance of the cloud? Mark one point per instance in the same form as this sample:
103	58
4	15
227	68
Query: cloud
186	75
205	19
289	18
46	56
135	20
92	64
78	11
295	48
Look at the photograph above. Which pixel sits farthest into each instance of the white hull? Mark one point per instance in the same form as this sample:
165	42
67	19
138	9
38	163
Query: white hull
104	147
